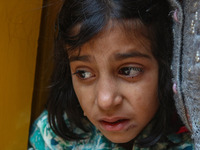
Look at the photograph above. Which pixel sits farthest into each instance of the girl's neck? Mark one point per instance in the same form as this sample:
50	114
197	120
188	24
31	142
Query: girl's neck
128	145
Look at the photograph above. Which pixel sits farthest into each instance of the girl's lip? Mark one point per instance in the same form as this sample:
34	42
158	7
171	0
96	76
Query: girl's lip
112	119
115	124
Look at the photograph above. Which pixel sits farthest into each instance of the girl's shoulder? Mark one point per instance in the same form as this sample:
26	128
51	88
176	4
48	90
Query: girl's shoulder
42	137
181	141
173	141
176	141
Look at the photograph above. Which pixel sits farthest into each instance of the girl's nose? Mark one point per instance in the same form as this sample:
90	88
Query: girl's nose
108	95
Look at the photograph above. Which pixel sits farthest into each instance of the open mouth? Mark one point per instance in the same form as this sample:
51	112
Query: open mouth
114	125
115	122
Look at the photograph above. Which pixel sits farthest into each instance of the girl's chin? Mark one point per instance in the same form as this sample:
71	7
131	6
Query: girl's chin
120	140
120	137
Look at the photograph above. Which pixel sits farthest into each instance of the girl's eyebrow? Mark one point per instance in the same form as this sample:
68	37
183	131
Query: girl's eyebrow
85	58
118	56
121	56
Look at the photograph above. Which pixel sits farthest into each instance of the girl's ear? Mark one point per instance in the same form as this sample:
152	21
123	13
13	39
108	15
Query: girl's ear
186	64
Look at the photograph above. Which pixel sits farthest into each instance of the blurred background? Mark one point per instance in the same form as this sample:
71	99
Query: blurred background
26	47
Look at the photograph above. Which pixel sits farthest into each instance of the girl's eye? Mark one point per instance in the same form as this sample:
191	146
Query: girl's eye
130	71
82	74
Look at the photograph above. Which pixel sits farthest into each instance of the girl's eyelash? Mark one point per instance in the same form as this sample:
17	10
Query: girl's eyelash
78	71
82	74
133	68
130	71
124	71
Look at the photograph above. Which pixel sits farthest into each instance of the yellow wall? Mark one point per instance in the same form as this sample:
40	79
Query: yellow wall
45	57
19	31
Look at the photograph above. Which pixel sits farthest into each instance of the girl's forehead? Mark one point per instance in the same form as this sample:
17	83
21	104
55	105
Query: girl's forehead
114	40
128	26
130	30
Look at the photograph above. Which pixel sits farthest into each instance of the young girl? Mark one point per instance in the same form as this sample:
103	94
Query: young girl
111	85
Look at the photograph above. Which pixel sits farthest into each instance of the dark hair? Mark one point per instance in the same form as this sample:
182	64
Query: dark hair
91	16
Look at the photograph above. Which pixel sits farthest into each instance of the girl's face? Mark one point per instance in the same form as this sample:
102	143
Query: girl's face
115	78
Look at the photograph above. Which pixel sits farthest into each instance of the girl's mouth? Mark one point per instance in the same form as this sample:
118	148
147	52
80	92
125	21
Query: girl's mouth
118	125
